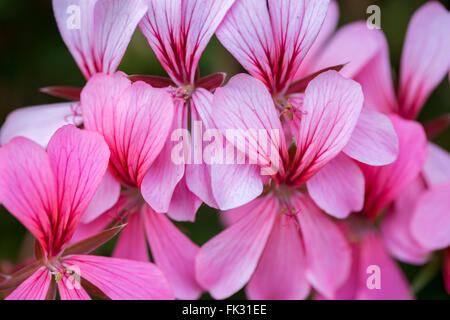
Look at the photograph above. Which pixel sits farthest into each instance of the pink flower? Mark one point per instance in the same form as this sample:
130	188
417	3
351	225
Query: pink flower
282	240
135	120
178	31
97	33
48	192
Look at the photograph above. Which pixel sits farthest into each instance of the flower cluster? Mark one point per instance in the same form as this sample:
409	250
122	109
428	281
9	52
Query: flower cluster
322	174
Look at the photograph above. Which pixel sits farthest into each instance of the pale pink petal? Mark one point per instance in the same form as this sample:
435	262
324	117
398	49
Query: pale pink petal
174	253
132	243
431	221
79	160
34	288
179	30
385	183
184	203
338	188
281	271
133	118
374	140
105	197
165	173
122	279
425	60
97	32
325	123
243	111
28	187
234	185
329	25
270	39
86	230
393	283
437	166
328	255
38	123
232	216
395	226
70	289
226	262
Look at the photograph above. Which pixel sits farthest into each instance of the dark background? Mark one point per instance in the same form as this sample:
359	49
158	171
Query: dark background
33	56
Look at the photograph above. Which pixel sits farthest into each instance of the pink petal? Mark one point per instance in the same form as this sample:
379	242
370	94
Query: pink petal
34	288
384	184
270	39
394	285
133	118
69	289
184	203
232	216
395	226
165	174
179	30
425	59
105	28
281	271
431	220
28	187
38	123
174	253
226	262
132	243
374	140
246	106
437	166
122	279
329	114
338	188
79	160
366	57
329	25
105	197
86	230
328	255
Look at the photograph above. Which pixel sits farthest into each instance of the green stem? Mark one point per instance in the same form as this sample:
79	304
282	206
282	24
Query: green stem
426	274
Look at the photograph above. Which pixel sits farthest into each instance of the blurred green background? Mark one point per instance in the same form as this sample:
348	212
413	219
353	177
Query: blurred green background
33	56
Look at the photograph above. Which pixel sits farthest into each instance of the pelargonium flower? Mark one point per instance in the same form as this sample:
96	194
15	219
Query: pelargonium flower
270	39
178	32
48	192
97	33
281	243
135	120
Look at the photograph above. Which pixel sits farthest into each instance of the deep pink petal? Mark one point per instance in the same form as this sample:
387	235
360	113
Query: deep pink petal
437	166
132	243
134	119
122	279
374	140
328	255
38	123
179	30
393	286
226	262
325	122
79	160
270	39
174	253
105	197
28	187
396	225
385	183
431	220
425	60
70	289
281	271
105	28
34	288
338	188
